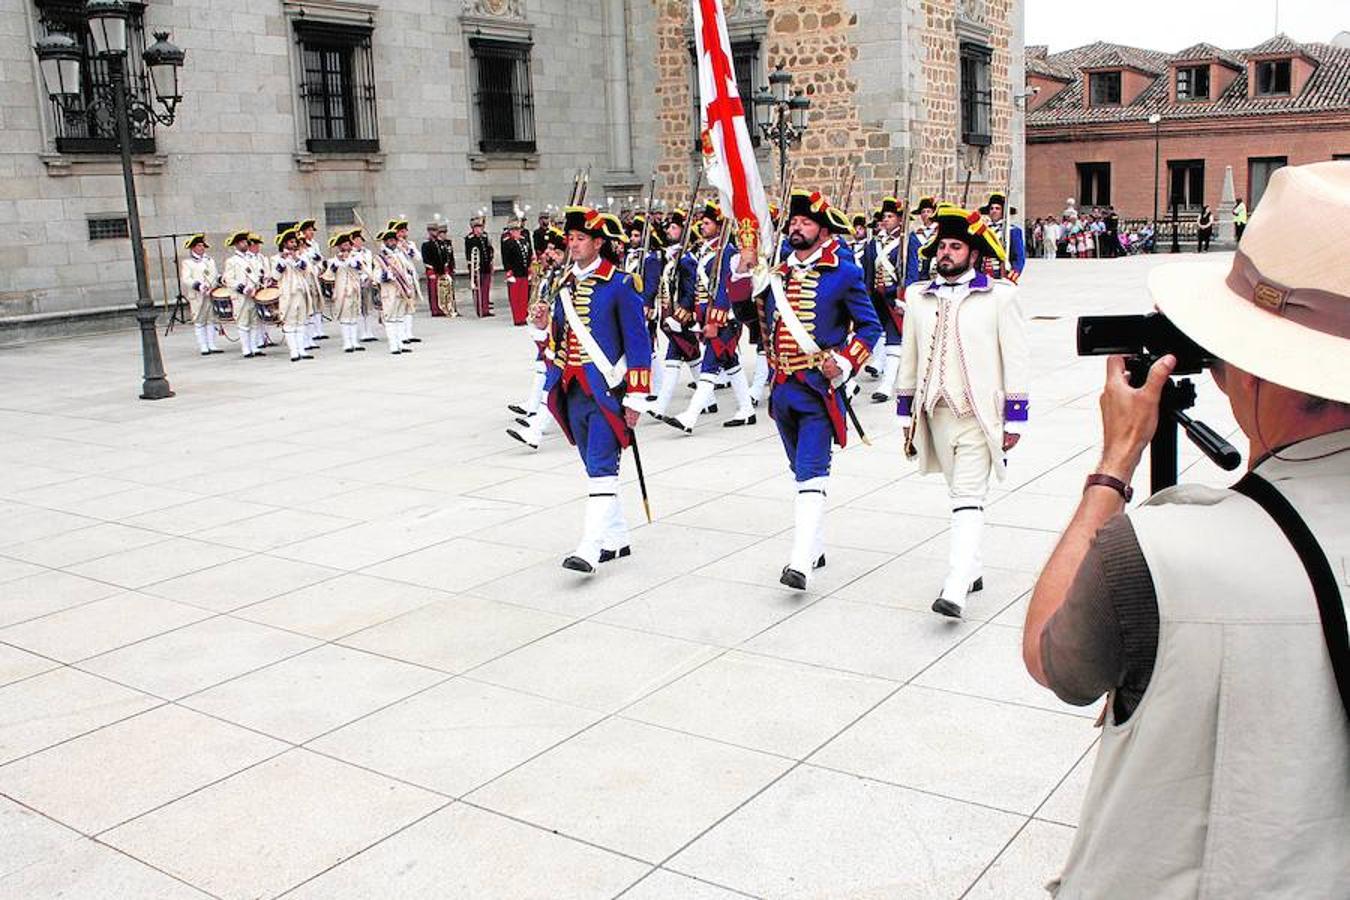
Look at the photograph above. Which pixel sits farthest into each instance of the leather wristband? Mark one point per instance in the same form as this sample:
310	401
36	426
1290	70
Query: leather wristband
1112	482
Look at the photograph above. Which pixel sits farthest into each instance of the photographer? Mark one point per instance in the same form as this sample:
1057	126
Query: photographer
1213	622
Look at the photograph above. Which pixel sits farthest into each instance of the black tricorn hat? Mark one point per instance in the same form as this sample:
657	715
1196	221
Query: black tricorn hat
812	206
967	226
889	205
925	203
591	222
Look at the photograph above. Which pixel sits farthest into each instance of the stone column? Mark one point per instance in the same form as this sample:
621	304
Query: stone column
617	108
1225	237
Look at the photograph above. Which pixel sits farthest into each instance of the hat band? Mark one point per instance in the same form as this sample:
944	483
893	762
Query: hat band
1322	311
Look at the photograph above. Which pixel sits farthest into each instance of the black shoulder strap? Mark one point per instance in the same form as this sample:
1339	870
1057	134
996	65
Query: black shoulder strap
1320	573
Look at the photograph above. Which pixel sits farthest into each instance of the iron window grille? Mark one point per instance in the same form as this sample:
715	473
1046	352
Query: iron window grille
1193	83
108	228
1273	78
338	215
90	124
504	207
745	63
977	95
1104	88
337	87
503	96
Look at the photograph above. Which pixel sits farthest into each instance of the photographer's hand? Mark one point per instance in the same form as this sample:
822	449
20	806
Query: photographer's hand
1130	415
1129	419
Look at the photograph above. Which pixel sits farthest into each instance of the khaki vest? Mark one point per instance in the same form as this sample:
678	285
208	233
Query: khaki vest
1232	777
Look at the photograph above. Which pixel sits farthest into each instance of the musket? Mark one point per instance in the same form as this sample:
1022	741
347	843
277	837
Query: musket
965	191
684	238
585	183
943	193
852	182
647	217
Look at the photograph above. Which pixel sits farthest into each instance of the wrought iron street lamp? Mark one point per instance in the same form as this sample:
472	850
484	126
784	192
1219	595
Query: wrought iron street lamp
1156	121
784	118
59	61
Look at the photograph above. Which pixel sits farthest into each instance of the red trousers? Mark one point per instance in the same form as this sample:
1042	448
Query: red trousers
431	293
518	292
484	298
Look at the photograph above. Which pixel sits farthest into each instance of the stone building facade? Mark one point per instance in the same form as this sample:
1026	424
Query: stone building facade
419	108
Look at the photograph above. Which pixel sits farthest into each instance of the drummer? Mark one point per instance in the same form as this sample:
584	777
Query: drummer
312	253
243	280
262	268
198	276
350	275
291	272
370	291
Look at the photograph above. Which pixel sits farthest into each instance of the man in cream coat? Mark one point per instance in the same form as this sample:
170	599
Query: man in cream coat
963	379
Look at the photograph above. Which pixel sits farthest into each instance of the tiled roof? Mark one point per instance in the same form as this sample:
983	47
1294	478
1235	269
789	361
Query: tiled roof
1328	90
1203	51
1280	43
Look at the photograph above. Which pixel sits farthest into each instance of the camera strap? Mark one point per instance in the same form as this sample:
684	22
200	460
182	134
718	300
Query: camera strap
1329	605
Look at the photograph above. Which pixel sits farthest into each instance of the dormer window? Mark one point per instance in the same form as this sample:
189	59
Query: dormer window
1104	88
1192	83
1274	77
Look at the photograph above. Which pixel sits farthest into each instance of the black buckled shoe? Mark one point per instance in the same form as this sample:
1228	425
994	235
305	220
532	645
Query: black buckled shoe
737	423
413	341
820	563
946	607
577	564
676	423
517	409
518	436
611	555
977	585
792	578
879	397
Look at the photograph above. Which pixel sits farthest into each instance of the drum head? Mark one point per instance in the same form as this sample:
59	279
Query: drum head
268	295
221	293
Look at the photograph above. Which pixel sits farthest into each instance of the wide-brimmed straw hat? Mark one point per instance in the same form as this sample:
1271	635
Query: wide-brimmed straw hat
1281	311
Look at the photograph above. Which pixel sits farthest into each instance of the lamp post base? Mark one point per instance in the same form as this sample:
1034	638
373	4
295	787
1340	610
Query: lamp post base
154	384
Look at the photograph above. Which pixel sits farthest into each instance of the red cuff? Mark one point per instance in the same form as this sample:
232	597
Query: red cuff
857	353
640	381
716	316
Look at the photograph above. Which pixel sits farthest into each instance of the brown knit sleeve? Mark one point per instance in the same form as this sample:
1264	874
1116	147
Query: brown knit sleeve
1105	636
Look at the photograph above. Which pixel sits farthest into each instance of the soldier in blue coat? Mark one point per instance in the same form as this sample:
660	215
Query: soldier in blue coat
599	375
881	265
674	303
917	266
821	326
720	329
993	212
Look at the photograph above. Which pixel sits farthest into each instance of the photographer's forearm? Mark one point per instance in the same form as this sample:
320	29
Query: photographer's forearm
1052	588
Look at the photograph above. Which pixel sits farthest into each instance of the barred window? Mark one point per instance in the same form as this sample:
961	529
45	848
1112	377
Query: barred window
337	215
745	63
1104	88
105	228
503	96
977	95
90	125
337	87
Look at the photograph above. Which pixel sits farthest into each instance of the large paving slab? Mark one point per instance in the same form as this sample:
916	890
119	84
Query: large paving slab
302	629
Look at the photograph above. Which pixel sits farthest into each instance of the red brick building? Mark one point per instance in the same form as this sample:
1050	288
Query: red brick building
1089	134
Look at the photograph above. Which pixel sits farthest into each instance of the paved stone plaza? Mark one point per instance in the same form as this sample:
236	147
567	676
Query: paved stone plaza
302	630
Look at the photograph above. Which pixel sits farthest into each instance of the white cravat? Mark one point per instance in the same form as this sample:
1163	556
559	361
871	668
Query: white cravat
951	387
580	274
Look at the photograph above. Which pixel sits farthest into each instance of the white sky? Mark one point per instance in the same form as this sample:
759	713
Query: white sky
1172	25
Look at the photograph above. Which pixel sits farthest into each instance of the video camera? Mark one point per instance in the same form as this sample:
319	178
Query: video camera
1143	340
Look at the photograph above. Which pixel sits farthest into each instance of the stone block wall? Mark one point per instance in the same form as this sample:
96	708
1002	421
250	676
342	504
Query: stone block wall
883	77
